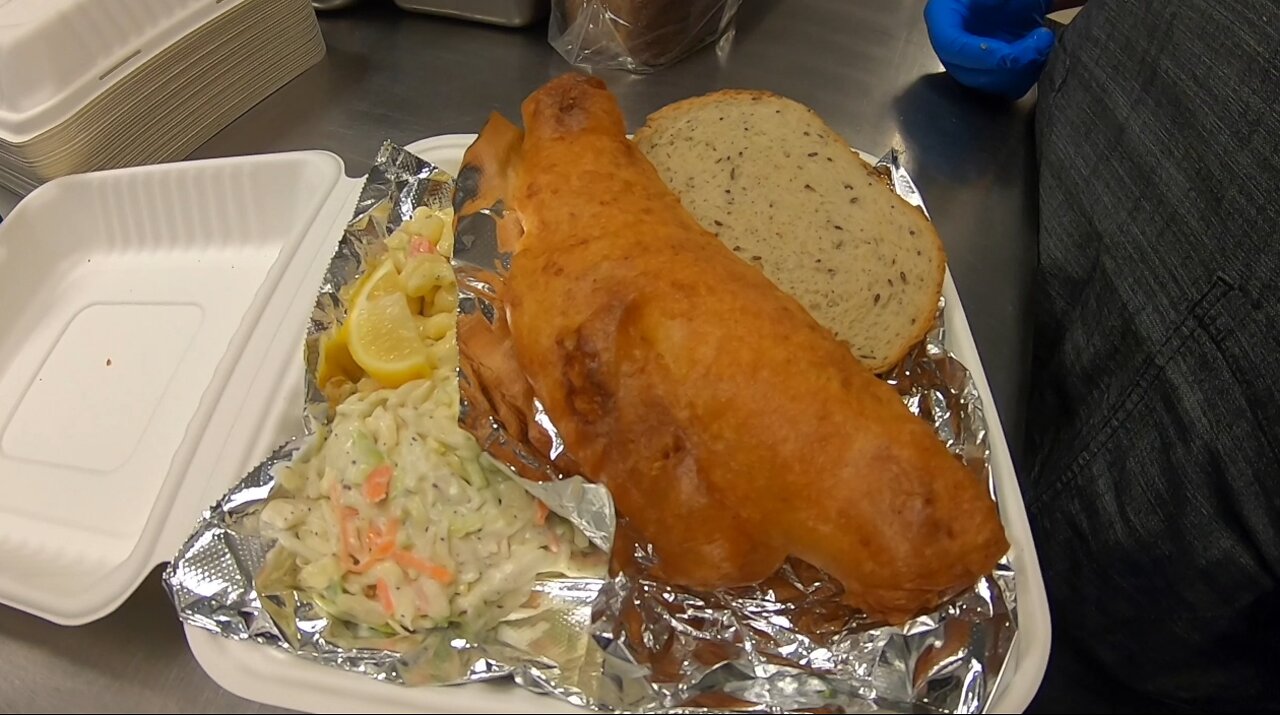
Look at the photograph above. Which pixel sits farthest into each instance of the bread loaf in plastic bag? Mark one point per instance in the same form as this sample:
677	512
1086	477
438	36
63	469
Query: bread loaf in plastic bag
636	35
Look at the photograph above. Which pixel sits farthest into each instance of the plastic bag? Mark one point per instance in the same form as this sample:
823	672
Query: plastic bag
636	35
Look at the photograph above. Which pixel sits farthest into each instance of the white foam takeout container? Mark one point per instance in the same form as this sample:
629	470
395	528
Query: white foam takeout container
154	355
81	48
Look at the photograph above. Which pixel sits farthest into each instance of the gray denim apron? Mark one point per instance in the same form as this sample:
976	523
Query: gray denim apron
1153	479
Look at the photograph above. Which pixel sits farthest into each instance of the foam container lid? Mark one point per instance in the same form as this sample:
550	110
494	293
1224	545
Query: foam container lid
57	55
154	355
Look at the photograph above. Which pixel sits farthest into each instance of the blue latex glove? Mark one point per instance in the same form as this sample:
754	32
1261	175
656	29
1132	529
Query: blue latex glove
996	46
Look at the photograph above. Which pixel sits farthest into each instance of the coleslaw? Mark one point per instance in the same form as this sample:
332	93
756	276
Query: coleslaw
395	519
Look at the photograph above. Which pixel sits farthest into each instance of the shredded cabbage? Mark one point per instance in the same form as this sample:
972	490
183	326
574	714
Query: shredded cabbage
397	520
455	539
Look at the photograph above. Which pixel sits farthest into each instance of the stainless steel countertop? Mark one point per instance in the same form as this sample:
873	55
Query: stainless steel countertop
864	65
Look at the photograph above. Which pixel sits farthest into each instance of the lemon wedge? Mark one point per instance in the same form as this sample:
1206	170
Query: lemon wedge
381	333
335	359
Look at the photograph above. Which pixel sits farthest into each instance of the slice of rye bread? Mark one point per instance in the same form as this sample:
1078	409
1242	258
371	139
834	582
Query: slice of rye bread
785	192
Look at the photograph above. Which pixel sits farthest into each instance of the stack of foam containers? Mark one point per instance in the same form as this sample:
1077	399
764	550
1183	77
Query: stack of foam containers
93	84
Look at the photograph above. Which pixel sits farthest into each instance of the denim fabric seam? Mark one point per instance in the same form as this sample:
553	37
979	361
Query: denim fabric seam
1153	364
1211	324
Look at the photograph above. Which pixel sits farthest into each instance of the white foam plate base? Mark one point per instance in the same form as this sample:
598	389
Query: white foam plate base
274	677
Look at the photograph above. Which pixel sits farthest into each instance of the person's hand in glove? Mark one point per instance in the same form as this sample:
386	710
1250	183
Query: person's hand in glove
996	46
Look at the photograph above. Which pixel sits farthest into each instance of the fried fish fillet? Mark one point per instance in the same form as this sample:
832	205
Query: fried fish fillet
731	428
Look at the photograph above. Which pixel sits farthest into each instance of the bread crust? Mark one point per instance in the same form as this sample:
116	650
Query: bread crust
672	114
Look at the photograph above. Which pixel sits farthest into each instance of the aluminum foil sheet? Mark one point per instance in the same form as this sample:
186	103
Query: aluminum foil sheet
616	643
